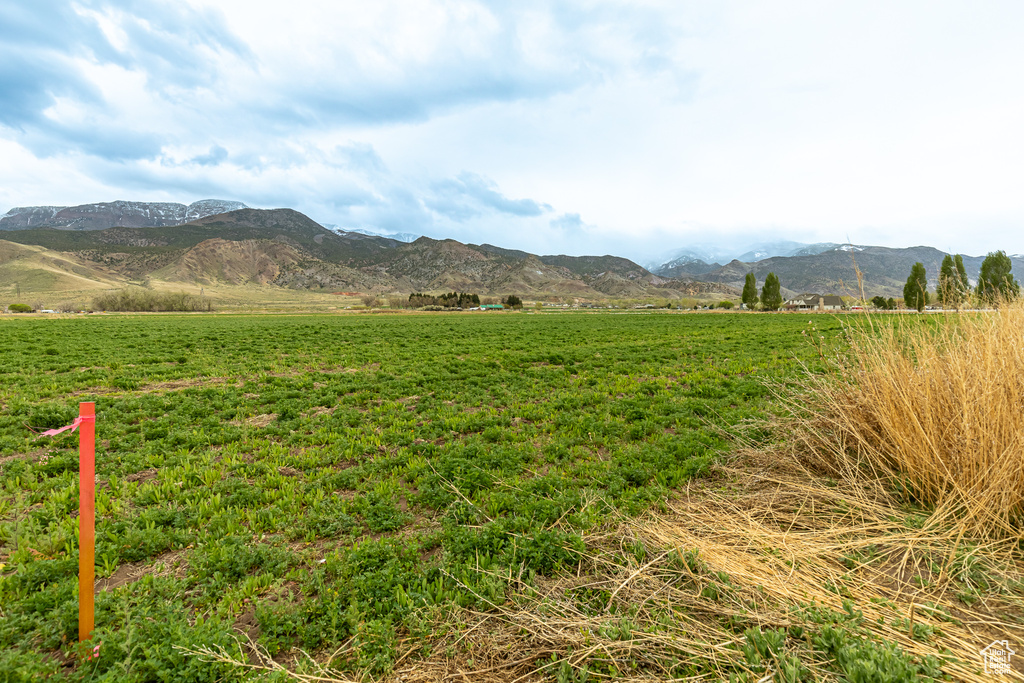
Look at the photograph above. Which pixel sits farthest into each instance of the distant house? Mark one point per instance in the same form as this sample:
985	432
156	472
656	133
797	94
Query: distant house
814	302
492	307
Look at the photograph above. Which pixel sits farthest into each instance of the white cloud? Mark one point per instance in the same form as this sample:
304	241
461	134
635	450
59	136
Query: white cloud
655	124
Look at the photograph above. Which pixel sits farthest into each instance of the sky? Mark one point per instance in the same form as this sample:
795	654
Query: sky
630	128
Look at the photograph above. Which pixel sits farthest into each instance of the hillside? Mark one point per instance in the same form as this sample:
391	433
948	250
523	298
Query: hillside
29	268
284	248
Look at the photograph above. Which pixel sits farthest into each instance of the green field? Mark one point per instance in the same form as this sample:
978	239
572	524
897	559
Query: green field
321	480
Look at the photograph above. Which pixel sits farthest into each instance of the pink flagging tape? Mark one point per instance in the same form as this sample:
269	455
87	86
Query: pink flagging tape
73	426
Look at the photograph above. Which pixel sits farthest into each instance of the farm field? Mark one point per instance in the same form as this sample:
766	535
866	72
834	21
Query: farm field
340	484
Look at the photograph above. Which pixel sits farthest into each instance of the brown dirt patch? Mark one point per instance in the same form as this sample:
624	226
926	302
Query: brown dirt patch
30	457
160	387
188	383
168	564
255	420
320	410
142	475
247	625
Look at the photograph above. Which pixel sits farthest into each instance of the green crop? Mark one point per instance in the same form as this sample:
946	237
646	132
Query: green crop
327	478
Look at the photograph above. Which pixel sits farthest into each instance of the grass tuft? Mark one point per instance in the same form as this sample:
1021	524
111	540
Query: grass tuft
934	406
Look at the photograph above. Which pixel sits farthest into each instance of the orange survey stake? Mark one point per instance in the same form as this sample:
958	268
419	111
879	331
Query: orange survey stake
86	518
86	426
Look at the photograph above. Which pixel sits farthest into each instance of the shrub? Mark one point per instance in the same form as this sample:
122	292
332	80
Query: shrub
725	304
934	408
146	300
19	308
512	301
437	303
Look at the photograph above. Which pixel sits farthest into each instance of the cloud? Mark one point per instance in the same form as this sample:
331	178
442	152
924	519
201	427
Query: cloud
361	157
567	222
29	84
469	195
663	123
55	58
216	155
377	65
36	59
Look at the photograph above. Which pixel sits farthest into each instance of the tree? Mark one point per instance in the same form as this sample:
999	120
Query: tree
750	291
771	294
915	292
513	301
953	286
879	302
961	272
946	292
995	281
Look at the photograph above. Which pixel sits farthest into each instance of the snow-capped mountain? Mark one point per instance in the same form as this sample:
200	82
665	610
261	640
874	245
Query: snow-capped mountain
114	214
703	258
400	236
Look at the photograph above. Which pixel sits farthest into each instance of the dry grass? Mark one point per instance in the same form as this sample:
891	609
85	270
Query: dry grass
936	406
670	596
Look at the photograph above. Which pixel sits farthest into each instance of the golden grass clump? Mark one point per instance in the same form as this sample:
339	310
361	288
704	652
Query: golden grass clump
935	405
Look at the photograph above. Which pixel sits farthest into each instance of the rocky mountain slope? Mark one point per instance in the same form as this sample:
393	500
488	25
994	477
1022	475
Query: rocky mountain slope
283	247
110	214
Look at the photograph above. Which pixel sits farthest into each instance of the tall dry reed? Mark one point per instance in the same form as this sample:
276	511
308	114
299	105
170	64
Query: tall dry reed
935	406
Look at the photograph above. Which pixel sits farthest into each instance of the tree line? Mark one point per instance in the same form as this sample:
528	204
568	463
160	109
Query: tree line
995	283
449	300
454	300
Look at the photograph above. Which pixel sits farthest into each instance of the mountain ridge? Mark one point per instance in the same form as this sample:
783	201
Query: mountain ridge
285	248
119	213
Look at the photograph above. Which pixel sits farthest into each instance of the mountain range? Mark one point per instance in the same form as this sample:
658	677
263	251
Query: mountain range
282	247
109	214
696	260
100	246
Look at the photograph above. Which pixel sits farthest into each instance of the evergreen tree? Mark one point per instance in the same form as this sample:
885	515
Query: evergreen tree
915	292
879	302
961	272
995	281
771	294
891	304
948	290
513	301
750	291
